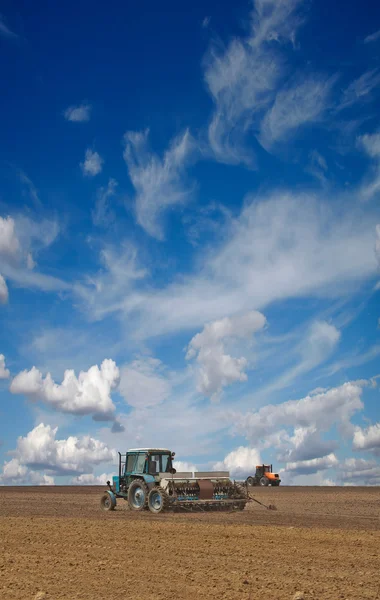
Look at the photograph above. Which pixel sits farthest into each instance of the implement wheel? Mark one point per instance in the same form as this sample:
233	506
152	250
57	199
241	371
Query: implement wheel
137	495
158	500
264	481
106	502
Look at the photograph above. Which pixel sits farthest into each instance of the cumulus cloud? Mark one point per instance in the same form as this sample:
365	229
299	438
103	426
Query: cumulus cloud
313	465
218	369
294	107
184	467
78	114
368	439
4	373
241	462
102	215
40	450
4	294
320	412
93	163
243	77
91	479
15	473
159	183
9	243
143	383
89	393
358	471
305	444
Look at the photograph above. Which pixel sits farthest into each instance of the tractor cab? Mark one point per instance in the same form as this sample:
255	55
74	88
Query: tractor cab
142	463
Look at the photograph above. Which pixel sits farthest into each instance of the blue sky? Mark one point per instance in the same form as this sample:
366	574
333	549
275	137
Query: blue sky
190	238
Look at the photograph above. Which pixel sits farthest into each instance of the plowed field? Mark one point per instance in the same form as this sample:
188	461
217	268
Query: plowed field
324	543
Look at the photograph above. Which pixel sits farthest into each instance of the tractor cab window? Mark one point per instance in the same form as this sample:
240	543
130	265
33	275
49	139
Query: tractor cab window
166	463
140	463
154	464
130	463
266	469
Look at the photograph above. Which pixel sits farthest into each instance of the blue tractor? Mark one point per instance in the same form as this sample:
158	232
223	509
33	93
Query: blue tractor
148	480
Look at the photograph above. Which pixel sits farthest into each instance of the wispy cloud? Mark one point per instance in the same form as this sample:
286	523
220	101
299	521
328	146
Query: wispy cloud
360	89
78	114
206	22
4	294
4	29
159	183
373	37
102	215
296	106
93	163
281	246
370	143
243	78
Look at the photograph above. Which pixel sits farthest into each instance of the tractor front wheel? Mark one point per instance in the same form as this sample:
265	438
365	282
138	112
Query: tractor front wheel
250	481
264	481
158	500
106	502
137	495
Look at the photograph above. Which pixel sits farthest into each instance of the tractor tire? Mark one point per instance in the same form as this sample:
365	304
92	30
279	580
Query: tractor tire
251	481
158	500
106	502
264	481
138	495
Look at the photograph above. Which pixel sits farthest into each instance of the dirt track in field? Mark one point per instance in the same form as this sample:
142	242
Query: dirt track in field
55	543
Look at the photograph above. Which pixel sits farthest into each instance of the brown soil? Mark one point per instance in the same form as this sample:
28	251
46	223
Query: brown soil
56	543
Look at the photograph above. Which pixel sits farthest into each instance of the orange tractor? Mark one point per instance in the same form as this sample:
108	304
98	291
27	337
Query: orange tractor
264	476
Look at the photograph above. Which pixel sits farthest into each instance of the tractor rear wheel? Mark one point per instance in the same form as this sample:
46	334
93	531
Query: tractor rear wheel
106	502
158	500
264	481
138	495
250	481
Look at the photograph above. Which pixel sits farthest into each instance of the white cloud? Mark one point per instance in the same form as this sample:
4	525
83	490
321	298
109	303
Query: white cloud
102	215
93	163
20	239
91	479
40	450
184	466
368	439
320	412
143	383
15	473
90	393
281	246
9	243
242	79
314	465
216	368
305	444
371	145
294	107
4	294
78	114
373	37
112	288
355	471
5	31
241	462
320	341
360	89
4	373
158	182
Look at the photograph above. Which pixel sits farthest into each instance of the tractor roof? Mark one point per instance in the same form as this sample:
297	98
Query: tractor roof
149	450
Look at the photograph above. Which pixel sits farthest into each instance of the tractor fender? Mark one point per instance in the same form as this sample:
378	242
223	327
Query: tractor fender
112	496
